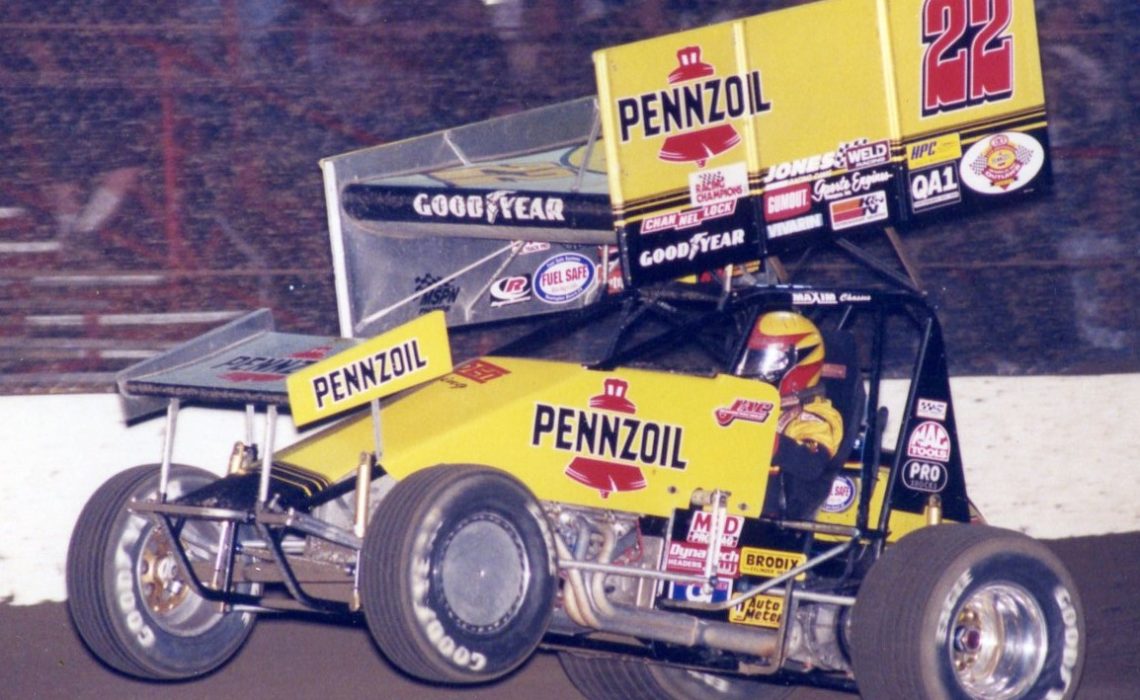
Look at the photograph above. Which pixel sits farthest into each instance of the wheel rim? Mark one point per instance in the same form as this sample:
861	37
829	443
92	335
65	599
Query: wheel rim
484	573
168	598
998	643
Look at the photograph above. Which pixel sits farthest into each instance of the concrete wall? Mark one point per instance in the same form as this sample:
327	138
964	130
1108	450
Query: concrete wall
1052	456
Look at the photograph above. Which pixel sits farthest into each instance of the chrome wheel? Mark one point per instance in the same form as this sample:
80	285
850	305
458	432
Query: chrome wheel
999	642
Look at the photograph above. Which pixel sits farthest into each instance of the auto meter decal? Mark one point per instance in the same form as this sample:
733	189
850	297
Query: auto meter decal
563	278
929	440
1002	163
610	443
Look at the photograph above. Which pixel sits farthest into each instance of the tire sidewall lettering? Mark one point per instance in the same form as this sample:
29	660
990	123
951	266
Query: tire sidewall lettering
1063	637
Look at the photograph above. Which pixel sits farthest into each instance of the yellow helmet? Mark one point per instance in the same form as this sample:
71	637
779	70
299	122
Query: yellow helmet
786	350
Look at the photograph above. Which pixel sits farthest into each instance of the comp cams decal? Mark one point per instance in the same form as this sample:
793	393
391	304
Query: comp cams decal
609	442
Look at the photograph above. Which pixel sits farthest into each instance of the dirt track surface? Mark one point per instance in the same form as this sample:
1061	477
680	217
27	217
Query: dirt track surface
42	657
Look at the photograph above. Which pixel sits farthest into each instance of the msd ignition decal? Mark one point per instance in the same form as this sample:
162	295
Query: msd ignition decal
968	58
929	440
563	278
610	444
510	290
1002	163
856	211
695	113
250	368
700	529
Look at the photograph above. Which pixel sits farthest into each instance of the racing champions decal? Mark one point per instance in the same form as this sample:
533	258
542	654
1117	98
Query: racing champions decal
610	443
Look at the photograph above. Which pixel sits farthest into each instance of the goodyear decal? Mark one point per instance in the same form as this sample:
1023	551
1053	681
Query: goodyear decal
761	611
396	360
768	562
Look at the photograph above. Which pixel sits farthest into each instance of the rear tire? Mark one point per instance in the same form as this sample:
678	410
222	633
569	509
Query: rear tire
457	580
617	678
968	612
128	599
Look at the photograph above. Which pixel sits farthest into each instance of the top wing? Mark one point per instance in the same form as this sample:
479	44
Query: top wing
490	221
748	138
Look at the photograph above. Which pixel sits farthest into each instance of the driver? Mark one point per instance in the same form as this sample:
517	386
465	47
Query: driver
786	350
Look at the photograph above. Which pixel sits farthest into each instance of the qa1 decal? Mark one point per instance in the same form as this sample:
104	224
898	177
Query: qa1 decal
968	58
610	444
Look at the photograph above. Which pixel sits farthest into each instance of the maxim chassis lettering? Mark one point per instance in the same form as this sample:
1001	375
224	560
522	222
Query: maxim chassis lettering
692	106
607	436
385	366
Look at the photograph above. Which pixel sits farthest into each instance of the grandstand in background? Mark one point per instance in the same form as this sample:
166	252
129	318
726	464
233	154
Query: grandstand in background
160	167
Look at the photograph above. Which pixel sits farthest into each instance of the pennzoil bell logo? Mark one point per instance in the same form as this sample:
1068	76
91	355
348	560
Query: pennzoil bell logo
695	113
610	444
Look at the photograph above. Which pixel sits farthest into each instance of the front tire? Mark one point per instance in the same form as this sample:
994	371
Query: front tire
968	612
128	599
457	581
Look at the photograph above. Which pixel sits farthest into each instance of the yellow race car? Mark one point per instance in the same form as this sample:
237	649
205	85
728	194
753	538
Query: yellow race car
578	403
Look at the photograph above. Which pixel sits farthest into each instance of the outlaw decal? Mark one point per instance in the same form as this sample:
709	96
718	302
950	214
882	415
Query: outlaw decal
610	444
1002	163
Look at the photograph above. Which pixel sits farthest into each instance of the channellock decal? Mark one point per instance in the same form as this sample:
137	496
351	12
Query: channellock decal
610	443
695	113
1002	163
563	278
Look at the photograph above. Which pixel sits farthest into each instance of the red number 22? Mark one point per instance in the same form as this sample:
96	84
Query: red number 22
968	58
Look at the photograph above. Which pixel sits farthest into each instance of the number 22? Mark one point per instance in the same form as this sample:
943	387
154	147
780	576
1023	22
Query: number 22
968	58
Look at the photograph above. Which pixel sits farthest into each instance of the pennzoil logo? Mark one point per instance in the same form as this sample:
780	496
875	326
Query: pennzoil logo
610	444
695	112
256	368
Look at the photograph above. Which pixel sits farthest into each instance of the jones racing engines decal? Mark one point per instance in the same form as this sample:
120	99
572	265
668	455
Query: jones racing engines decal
609	442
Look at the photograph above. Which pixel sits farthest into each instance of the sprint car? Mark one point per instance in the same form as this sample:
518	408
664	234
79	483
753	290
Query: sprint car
534	430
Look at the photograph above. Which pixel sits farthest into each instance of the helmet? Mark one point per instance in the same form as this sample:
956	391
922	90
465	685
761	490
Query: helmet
786	350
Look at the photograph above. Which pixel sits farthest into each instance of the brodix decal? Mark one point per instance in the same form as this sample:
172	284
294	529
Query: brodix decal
610	444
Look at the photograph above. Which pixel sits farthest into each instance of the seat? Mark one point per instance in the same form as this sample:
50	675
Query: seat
843	385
